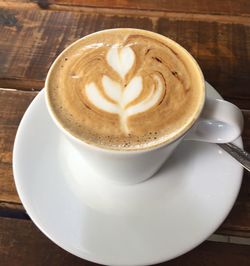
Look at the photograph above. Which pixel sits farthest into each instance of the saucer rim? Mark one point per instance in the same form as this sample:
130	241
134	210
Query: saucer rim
27	205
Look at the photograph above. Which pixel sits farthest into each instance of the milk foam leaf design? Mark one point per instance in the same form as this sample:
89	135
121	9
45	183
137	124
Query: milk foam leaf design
132	91
151	100
121	59
112	88
96	98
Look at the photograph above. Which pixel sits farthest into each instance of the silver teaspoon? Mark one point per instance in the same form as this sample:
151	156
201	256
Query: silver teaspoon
240	155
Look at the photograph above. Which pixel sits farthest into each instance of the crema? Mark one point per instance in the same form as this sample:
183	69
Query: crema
125	89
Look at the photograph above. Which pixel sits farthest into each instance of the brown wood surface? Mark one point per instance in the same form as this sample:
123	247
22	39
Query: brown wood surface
229	7
13	104
34	32
22	244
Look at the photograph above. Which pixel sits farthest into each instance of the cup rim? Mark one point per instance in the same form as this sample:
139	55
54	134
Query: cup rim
135	151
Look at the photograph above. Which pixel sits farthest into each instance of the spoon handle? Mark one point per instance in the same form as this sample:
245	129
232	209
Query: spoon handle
240	155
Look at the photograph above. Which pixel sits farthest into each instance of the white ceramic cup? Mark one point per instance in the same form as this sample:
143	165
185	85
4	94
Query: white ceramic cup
219	122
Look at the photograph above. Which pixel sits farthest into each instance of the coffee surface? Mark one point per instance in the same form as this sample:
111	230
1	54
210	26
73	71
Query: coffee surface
125	89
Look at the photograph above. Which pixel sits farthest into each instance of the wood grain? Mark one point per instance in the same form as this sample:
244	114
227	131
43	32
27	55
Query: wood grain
14	103
22	244
238	221
193	6
12	210
113	10
33	37
228	7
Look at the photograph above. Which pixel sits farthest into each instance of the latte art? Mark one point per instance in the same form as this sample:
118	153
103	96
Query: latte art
123	95
125	89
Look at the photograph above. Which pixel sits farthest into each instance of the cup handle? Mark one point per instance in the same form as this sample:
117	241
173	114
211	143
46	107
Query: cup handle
220	122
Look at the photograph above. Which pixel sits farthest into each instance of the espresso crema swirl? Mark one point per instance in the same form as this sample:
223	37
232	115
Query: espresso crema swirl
125	89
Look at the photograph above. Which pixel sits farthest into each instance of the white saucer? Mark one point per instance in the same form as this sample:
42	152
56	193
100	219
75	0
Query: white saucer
147	223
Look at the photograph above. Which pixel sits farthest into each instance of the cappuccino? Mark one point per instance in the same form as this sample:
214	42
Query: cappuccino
125	89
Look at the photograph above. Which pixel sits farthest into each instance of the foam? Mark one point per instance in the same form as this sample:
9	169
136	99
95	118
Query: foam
150	101
121	59
125	89
94	96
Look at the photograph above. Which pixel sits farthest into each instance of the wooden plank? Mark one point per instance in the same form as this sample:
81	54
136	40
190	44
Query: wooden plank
194	6
21	243
238	221
228	7
14	103
12	210
32	38
51	5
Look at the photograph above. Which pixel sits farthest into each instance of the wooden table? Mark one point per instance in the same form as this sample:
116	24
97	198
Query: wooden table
33	33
